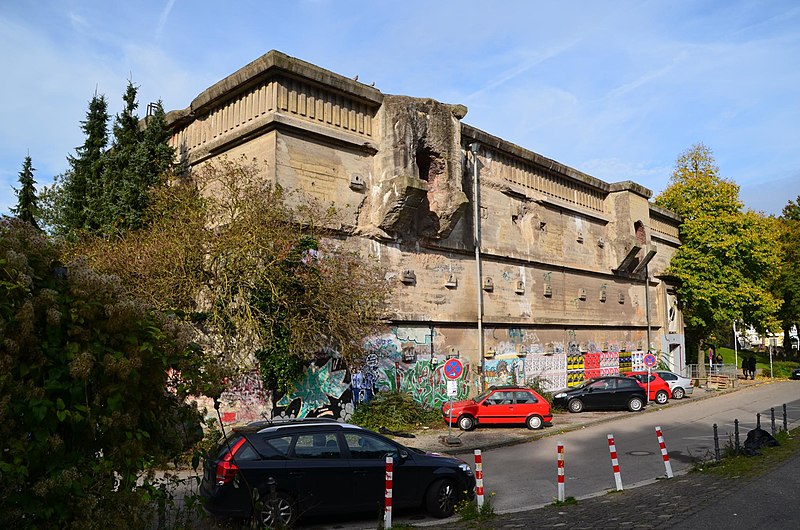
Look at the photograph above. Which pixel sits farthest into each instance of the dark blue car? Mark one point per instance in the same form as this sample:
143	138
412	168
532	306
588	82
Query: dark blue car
275	472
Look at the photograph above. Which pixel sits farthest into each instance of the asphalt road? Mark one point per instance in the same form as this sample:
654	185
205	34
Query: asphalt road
522	478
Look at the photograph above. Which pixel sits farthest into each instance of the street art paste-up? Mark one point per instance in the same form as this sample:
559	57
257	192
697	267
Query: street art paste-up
321	392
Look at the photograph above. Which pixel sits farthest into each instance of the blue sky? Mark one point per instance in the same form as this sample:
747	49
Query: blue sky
617	89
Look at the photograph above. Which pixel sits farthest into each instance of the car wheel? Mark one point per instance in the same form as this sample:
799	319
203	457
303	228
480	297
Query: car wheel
466	423
280	513
534	422
575	405
441	498
678	393
635	404
661	397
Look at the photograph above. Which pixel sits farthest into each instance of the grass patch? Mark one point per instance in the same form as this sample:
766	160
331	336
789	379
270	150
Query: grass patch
468	510
739	465
569	501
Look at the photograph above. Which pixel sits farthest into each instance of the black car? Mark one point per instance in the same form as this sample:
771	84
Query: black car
796	373
602	393
277	471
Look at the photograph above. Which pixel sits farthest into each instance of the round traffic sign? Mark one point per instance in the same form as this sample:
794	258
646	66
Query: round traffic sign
650	360
453	369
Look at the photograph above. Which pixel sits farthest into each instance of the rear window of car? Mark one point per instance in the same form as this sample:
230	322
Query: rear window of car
525	397
318	445
627	383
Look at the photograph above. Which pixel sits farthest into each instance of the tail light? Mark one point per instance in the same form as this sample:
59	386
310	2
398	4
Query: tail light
227	468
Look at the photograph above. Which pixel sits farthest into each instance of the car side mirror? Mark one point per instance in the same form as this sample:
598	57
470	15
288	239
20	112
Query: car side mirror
403	455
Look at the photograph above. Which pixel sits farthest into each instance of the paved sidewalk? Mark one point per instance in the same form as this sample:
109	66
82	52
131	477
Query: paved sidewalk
699	499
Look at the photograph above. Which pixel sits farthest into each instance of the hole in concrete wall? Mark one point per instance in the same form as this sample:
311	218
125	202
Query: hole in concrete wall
641	235
425	158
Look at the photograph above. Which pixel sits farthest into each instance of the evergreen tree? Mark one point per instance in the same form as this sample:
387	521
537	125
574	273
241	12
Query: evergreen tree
76	197
83	184
27	202
120	179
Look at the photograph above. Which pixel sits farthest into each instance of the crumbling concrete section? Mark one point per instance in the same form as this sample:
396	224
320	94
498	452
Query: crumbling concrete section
419	193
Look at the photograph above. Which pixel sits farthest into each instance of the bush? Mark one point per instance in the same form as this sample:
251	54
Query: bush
395	411
92	391
780	369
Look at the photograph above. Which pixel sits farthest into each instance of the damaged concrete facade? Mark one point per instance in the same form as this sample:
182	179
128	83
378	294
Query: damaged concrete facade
564	257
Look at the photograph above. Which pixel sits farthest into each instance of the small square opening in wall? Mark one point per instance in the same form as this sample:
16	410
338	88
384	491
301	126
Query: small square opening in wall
357	182
520	289
488	284
579	237
582	294
451	282
548	291
603	294
408	277
621	298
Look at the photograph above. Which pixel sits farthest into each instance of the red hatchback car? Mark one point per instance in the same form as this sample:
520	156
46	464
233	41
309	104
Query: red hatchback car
659	389
500	405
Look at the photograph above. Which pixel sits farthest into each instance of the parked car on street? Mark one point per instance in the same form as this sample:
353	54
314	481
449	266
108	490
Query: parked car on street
679	386
602	393
657	389
500	405
796	373
275	471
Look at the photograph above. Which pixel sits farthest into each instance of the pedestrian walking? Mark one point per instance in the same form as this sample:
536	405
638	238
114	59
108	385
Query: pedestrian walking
745	367
752	367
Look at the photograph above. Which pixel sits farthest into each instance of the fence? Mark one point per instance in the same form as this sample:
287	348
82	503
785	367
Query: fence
717	375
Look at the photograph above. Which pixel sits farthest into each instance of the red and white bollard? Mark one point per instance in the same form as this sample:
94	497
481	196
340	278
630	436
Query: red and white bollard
664	453
479	478
387	514
614	462
561	472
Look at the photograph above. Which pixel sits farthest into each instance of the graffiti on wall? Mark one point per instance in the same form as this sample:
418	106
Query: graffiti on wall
323	391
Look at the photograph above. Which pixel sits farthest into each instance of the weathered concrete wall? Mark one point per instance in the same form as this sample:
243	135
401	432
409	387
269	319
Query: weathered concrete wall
564	252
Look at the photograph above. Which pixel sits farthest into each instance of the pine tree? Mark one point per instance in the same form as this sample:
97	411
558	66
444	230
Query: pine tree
120	179
27	202
82	187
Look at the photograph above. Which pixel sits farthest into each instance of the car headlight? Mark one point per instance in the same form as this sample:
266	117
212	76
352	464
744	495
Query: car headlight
560	395
465	468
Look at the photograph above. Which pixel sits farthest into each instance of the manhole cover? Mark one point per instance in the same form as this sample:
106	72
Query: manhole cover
639	453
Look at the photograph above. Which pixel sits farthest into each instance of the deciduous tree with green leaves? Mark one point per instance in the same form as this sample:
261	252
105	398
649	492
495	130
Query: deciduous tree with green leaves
727	257
27	208
787	284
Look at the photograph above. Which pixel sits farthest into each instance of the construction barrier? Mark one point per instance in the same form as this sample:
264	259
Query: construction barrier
479	478
664	453
561	472
387	514
614	462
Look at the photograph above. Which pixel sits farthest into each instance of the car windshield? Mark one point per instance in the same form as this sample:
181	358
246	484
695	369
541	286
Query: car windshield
483	395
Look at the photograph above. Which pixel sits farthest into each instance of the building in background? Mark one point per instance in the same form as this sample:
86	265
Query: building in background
521	266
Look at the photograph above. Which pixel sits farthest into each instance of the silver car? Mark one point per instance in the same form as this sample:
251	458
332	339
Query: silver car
678	385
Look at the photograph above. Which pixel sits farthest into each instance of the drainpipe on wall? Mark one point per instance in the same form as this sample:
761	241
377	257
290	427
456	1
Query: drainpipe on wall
476	223
647	302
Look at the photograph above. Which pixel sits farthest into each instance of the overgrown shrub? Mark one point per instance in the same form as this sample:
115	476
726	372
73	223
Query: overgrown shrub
395	411
93	388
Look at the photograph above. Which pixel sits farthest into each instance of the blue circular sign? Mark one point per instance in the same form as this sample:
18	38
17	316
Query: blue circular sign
453	369
650	360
